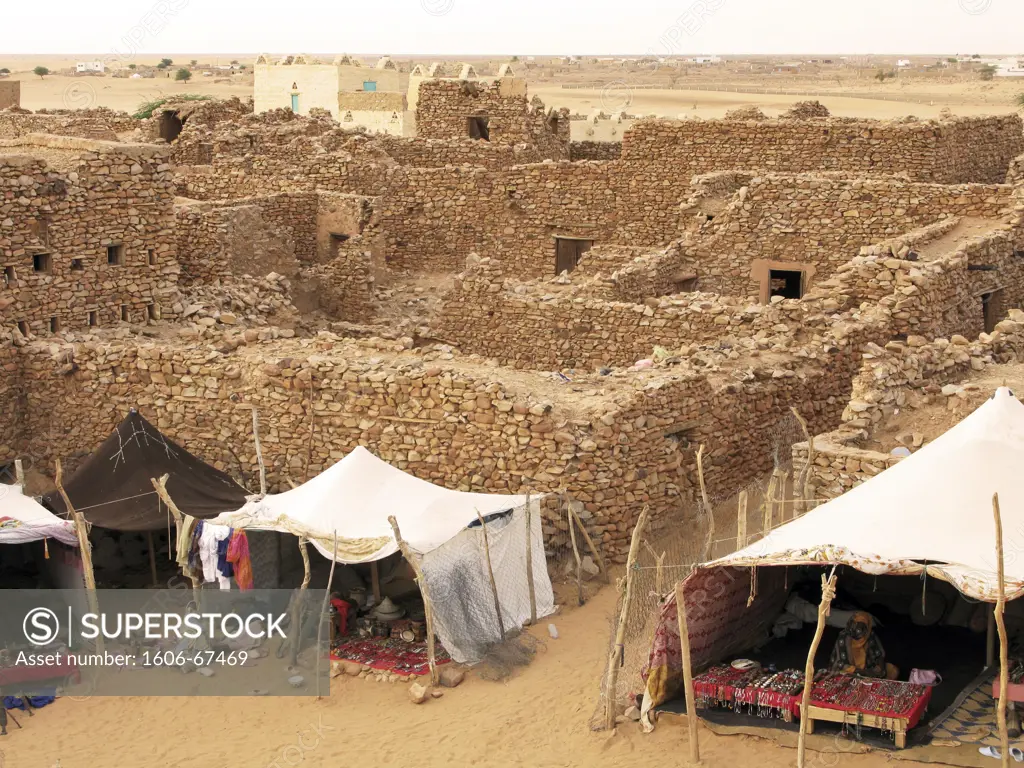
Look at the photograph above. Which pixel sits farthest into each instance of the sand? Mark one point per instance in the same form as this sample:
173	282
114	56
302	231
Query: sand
539	718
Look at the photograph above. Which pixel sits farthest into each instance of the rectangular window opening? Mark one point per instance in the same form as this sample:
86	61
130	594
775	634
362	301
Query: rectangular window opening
76	265
151	257
23	328
41	262
54	325
9	276
151	311
124	313
568	251
94	319
789	284
115	255
479	128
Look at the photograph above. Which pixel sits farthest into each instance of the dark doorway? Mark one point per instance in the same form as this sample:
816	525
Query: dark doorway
992	309
170	126
785	283
568	251
479	128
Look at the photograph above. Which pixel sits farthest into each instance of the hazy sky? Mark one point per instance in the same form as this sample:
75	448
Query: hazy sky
520	27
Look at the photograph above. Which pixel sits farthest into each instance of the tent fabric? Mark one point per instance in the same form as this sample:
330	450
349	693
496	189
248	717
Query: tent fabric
353	499
23	519
931	510
113	489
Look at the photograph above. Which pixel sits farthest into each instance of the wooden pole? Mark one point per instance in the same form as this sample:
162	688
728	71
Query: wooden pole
421	581
490	575
691	699
802	489
767	506
529	560
741	521
576	554
828	592
160	486
85	549
259	452
375	581
152	556
990	639
323	616
616	654
709	542
300	601
782	491
598	559
1004	664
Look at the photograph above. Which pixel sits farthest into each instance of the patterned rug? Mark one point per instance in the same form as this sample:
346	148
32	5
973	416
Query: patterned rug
390	655
974	721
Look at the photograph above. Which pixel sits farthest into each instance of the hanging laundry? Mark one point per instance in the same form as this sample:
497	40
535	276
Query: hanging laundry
223	566
194	560
238	555
212	535
183	545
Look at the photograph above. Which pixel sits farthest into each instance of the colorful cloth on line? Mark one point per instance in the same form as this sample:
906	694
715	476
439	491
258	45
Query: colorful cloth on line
390	655
238	556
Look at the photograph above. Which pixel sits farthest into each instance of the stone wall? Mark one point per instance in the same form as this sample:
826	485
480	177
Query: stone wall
595	150
956	151
10	94
445	106
823	221
86	234
450	422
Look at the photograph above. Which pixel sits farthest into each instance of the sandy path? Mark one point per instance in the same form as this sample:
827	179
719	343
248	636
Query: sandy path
538	719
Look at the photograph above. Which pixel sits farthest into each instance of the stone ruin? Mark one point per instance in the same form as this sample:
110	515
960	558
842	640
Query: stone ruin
497	313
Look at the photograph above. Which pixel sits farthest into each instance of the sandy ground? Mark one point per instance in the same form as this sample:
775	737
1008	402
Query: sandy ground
538	718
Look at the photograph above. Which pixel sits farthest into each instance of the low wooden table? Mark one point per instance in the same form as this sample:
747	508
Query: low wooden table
898	725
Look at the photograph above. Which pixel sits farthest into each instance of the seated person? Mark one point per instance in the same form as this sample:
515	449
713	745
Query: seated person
858	650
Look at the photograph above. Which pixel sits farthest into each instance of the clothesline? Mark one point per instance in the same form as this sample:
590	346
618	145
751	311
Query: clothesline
117	501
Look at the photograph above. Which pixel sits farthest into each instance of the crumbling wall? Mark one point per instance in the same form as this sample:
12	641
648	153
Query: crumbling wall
938	152
10	94
89	239
595	150
823	221
445	107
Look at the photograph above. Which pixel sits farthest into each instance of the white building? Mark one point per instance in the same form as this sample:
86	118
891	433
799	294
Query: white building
1010	67
90	66
706	60
903	63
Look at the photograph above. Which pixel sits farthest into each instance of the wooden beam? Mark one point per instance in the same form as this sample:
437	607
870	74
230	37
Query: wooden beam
598	559
160	486
616	653
323	616
709	542
375	581
828	592
421	581
1004	664
152	556
85	549
529	560
569	518
741	521
300	602
259	452
691	699
494	584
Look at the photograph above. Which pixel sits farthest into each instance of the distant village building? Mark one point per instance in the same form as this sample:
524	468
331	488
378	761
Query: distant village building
90	66
355	95
903	63
1010	67
706	60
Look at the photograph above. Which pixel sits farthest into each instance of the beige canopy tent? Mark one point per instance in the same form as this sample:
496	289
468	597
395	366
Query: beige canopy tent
930	512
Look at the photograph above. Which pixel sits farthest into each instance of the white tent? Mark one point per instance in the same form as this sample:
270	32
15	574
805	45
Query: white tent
353	500
23	519
933	507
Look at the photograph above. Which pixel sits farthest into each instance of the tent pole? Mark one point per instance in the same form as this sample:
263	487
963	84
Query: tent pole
300	600
575	553
259	452
323	614
828	592
490	575
709	543
152	556
741	521
990	639
626	586
768	506
598	559
19	473
1004	665
529	561
428	609
85	548
802	487
375	581
691	699
160	486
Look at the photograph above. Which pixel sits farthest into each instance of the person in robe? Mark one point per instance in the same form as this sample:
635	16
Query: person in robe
859	651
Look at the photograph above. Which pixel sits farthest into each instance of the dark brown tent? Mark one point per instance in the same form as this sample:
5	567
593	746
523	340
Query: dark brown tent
112	487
